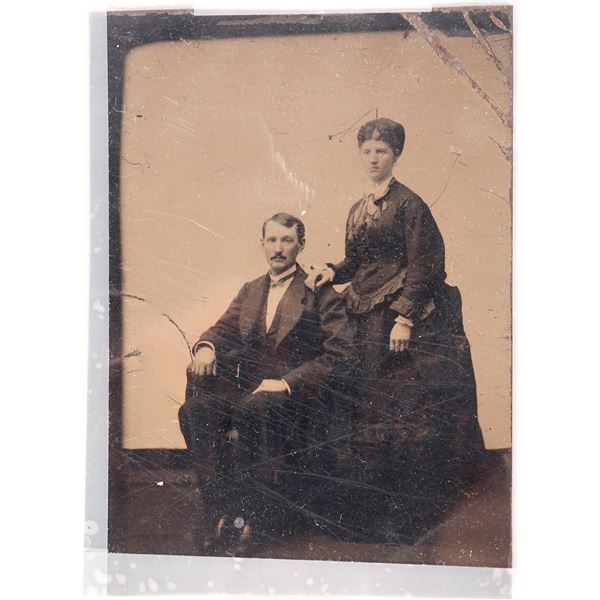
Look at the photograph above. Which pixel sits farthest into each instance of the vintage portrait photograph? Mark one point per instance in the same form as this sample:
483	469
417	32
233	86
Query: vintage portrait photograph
310	286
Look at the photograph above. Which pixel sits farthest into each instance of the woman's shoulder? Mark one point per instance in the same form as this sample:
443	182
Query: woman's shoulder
352	213
405	197
356	205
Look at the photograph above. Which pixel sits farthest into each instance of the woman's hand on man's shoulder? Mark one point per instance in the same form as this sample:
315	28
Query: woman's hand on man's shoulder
318	276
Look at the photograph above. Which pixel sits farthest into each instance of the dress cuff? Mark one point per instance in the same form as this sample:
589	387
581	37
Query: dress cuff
335	269
201	343
404	321
404	307
287	386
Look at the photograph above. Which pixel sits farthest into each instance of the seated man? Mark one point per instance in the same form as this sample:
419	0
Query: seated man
258	386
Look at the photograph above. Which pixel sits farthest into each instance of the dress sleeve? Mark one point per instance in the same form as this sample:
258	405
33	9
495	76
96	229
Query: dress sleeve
425	258
338	345
345	270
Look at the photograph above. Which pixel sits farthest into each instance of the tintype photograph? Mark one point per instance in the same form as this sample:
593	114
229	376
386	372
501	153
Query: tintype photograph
310	286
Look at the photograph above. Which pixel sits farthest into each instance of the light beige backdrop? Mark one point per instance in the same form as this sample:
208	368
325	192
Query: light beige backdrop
220	134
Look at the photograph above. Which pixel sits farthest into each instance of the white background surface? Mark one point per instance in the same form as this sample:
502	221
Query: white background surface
44	302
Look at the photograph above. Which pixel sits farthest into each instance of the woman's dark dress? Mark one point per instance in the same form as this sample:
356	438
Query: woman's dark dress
411	429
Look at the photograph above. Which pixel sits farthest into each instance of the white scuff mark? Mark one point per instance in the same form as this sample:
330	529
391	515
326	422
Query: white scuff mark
101	577
156	212
91	528
170	99
171	586
160	483
152	585
310	581
98	307
293	180
279	161
121	578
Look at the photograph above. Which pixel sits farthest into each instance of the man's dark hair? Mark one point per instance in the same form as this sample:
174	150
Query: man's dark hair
386	130
288	221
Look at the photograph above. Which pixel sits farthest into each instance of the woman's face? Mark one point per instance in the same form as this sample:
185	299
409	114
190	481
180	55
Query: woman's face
378	159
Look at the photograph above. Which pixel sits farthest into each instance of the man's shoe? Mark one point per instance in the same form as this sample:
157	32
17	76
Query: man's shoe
220	537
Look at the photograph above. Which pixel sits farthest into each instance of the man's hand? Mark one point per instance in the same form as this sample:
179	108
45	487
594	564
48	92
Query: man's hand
204	362
271	385
399	337
319	276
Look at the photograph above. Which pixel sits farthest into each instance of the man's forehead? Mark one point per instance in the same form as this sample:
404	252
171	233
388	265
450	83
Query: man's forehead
274	228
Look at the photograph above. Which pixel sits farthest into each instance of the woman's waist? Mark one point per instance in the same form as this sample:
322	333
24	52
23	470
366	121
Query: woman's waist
363	294
372	275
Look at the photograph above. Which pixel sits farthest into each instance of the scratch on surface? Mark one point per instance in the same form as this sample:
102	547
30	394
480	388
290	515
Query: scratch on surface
273	20
180	331
486	46
498	23
134	164
447	181
169	99
172	321
506	150
173	400
132	353
156	212
346	131
452	61
491	192
129	296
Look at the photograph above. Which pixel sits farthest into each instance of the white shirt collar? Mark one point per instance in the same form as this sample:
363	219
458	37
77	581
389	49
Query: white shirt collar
283	275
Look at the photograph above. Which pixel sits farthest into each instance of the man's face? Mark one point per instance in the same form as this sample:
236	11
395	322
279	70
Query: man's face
281	246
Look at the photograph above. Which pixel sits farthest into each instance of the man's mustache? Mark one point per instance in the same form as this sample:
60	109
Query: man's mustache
277	256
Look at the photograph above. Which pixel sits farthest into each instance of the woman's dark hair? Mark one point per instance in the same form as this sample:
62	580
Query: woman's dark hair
288	221
386	130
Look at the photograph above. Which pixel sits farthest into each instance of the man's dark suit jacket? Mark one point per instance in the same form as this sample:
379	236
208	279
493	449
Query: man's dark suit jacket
309	342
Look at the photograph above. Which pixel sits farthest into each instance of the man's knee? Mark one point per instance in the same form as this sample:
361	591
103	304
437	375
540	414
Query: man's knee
208	390
263	401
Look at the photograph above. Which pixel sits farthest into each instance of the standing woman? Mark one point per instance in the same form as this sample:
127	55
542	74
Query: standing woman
414	409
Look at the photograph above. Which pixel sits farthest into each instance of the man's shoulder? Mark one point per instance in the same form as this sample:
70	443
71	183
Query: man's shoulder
323	294
254	283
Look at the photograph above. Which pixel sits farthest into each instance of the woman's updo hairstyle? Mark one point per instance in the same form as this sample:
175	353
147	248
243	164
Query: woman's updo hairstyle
386	130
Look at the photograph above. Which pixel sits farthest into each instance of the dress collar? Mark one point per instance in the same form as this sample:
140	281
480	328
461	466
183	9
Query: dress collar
379	190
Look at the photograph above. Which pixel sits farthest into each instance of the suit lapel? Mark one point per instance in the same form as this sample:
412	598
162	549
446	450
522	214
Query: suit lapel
291	306
250	310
